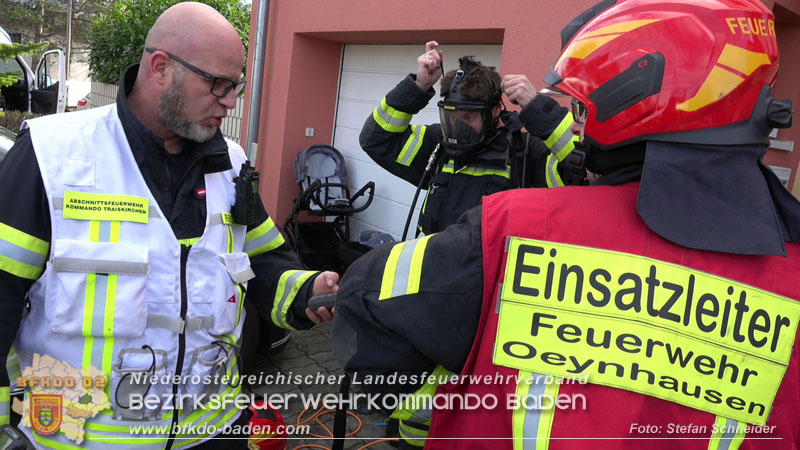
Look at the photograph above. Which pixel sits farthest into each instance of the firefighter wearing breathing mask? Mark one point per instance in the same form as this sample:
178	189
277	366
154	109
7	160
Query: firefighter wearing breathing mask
656	308
481	147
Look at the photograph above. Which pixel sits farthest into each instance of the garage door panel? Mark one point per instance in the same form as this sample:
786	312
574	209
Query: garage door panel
368	73
403	58
353	114
346	141
368	85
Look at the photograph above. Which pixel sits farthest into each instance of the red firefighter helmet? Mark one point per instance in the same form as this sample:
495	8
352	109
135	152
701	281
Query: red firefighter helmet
267	427
697	71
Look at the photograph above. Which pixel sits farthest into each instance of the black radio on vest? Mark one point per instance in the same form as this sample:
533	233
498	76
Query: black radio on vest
244	208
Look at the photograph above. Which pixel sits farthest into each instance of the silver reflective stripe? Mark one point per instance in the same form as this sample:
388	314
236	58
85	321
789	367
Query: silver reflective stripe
216	219
403	271
411	147
58	205
551	171
99	313
94	266
243	276
21	255
392	120
287	289
5	408
265	239
532	415
561	143
728	435
409	433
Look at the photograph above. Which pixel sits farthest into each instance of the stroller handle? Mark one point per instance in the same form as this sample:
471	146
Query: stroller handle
347	208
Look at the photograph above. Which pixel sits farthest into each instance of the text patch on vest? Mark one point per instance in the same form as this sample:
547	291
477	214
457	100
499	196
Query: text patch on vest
123	208
646	326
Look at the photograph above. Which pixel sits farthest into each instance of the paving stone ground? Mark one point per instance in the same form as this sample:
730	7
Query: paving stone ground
308	353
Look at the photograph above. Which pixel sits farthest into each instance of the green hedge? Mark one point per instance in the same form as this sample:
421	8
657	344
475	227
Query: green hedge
117	38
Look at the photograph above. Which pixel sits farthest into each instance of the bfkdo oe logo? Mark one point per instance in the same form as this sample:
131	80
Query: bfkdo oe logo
45	413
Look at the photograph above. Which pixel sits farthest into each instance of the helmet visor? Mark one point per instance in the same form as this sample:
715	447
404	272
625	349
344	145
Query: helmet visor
465	125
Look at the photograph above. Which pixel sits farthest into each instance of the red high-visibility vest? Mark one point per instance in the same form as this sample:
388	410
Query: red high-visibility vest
682	345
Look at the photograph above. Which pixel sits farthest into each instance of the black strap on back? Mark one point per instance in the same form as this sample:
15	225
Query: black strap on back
517	147
340	417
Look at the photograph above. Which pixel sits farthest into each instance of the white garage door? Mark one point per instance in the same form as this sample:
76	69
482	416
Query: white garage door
368	73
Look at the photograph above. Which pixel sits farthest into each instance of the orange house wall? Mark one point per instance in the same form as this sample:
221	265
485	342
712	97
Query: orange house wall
303	56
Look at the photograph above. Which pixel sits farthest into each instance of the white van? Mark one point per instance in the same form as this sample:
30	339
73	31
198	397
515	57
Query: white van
44	92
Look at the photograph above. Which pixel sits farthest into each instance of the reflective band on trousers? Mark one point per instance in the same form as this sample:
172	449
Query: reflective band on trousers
531	426
414	409
263	238
413	434
390	119
413	144
403	270
104	433
728	434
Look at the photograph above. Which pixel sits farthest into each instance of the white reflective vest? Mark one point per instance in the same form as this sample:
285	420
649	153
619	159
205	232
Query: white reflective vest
119	294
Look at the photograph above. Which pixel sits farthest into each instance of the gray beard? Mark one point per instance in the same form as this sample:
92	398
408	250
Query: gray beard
171	108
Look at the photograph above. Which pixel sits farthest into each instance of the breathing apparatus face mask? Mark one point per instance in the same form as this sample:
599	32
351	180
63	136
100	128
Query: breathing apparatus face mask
466	123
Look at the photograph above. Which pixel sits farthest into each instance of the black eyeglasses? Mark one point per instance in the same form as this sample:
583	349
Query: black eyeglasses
578	111
220	87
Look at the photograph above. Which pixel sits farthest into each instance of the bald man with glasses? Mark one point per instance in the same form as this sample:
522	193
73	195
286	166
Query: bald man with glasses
116	230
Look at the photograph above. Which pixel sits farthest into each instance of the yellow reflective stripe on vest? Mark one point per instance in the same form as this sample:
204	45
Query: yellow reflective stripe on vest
231	239
288	285
403	270
106	207
59	442
476	171
21	254
727	434
532	420
5	405
419	407
99	305
263	238
12	366
413	434
646	326
551	174
390	119
189	242
413	144
561	141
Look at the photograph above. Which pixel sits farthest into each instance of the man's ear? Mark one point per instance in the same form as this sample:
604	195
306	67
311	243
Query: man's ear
160	67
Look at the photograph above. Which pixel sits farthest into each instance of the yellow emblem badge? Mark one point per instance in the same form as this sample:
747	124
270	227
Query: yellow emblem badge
45	413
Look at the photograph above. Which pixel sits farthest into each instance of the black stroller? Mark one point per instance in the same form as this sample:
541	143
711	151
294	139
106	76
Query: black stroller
325	245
